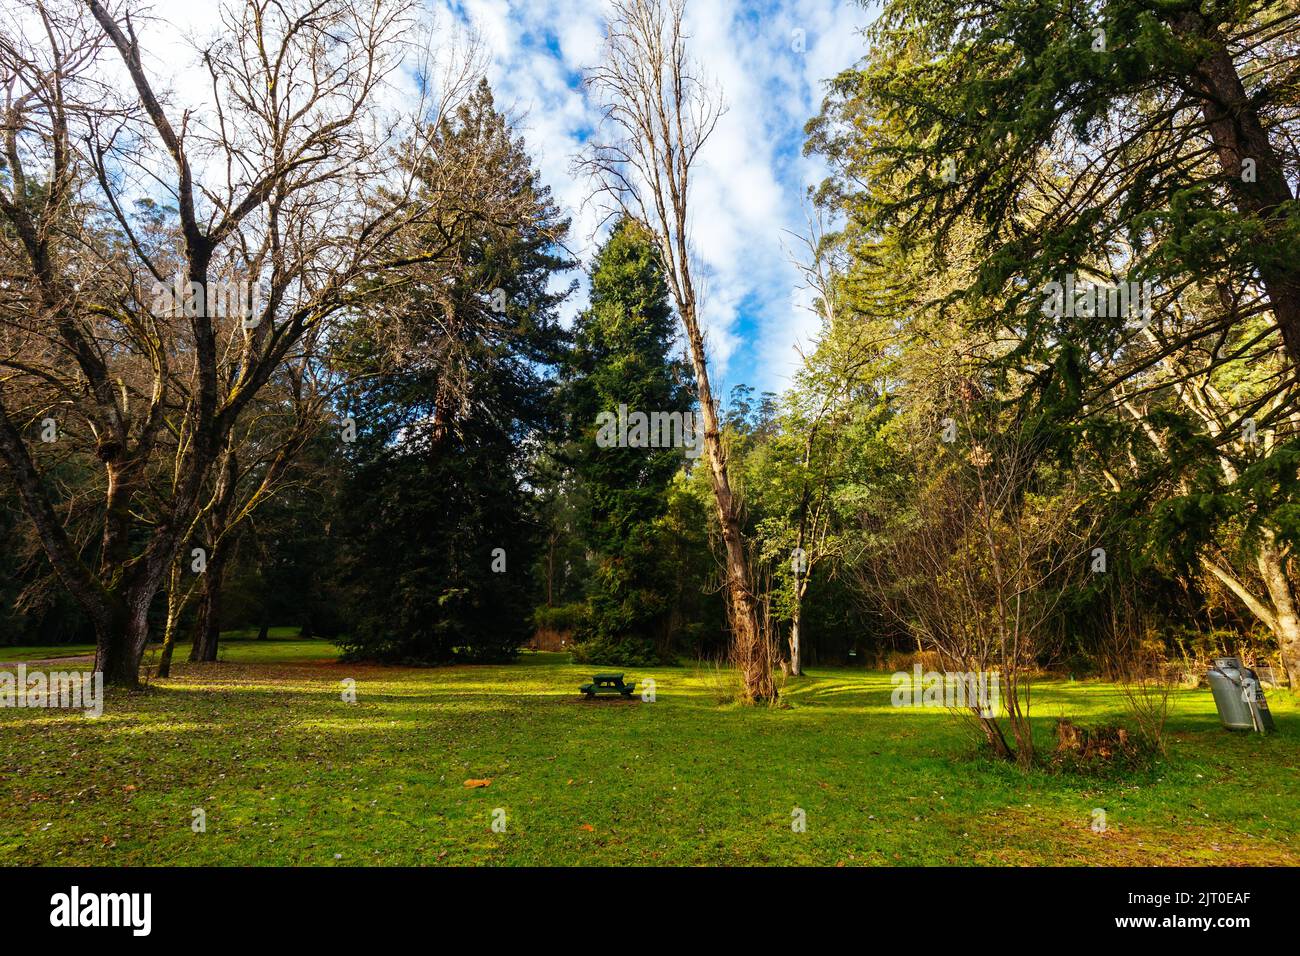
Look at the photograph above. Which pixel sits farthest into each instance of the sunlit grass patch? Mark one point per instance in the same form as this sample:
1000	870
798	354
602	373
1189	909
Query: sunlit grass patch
287	772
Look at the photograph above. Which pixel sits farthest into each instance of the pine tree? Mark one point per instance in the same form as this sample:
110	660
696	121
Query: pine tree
439	535
622	357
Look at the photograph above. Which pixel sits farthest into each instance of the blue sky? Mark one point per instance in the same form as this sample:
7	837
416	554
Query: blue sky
753	177
770	58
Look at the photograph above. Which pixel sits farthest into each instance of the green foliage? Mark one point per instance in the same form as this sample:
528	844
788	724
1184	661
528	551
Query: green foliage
438	527
422	539
983	151
991	139
621	358
610	651
34	605
562	617
286	566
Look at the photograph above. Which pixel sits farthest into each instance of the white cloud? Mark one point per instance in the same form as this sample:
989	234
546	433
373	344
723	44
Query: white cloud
750	184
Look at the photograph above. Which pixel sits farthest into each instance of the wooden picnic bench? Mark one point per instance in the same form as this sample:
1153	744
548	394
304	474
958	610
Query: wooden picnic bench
608	684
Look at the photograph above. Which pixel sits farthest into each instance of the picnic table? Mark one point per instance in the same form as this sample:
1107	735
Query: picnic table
608	684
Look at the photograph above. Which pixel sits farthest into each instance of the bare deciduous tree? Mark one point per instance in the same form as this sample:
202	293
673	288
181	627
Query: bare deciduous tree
273	182
978	572
657	115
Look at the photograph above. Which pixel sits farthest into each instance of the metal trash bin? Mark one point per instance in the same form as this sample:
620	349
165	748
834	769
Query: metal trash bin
1239	696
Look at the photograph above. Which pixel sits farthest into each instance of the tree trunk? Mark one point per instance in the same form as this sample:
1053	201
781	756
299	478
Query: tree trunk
177	599
796	665
207	627
168	647
207	631
173	618
1280	613
221	544
1286	624
550	572
113	652
120	646
751	646
993	734
802	567
264	632
104	606
1238	134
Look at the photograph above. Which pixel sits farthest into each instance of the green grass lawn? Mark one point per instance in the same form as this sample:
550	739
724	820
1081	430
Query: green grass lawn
26	652
288	773
241	645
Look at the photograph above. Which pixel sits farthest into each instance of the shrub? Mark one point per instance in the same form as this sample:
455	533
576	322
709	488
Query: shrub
561	617
603	650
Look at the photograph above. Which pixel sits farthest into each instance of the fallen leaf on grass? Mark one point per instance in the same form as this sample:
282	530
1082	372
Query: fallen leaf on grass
477	783
588	827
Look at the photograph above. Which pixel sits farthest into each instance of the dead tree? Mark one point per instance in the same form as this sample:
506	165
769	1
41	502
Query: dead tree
657	116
